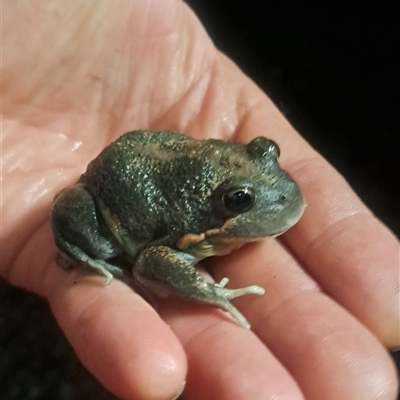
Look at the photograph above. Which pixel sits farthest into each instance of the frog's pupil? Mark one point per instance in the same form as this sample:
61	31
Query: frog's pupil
239	201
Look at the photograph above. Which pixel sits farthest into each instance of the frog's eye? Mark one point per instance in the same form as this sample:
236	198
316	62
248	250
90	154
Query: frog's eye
239	200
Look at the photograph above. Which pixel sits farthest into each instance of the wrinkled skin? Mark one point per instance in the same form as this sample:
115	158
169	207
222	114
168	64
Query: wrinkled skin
75	77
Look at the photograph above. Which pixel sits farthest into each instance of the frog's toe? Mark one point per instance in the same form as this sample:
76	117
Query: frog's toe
108	278
223	282
105	269
235	313
231	294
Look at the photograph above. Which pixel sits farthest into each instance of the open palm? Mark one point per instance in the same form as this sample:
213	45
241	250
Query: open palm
78	75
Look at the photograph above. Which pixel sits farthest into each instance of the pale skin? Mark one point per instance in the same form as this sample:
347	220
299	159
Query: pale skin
75	77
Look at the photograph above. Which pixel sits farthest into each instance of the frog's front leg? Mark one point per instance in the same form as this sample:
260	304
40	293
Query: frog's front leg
166	272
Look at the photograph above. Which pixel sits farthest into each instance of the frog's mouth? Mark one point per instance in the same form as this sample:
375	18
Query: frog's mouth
217	246
214	242
224	240
226	233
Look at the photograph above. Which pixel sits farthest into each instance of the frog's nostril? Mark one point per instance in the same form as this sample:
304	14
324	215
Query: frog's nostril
283	198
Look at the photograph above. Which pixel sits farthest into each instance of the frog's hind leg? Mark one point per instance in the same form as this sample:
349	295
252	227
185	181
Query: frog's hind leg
166	272
79	234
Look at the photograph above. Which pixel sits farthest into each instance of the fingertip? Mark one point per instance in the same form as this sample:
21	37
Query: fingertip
120	339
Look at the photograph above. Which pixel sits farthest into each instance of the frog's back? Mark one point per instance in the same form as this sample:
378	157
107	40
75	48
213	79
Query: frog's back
165	145
150	143
153	181
138	151
132	152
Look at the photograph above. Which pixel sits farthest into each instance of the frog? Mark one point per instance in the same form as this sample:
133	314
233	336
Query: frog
156	203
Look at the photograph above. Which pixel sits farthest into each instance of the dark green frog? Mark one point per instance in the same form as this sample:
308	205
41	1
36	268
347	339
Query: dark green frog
160	201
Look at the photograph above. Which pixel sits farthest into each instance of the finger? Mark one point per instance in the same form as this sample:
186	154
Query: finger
115	333
120	339
351	254
328	352
225	360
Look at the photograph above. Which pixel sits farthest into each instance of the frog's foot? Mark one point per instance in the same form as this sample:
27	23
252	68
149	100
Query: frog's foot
230	294
167	272
100	266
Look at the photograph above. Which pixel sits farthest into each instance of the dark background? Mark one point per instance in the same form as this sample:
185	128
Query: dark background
333	70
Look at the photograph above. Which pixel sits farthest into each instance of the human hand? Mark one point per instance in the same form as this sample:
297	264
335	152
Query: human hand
75	77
